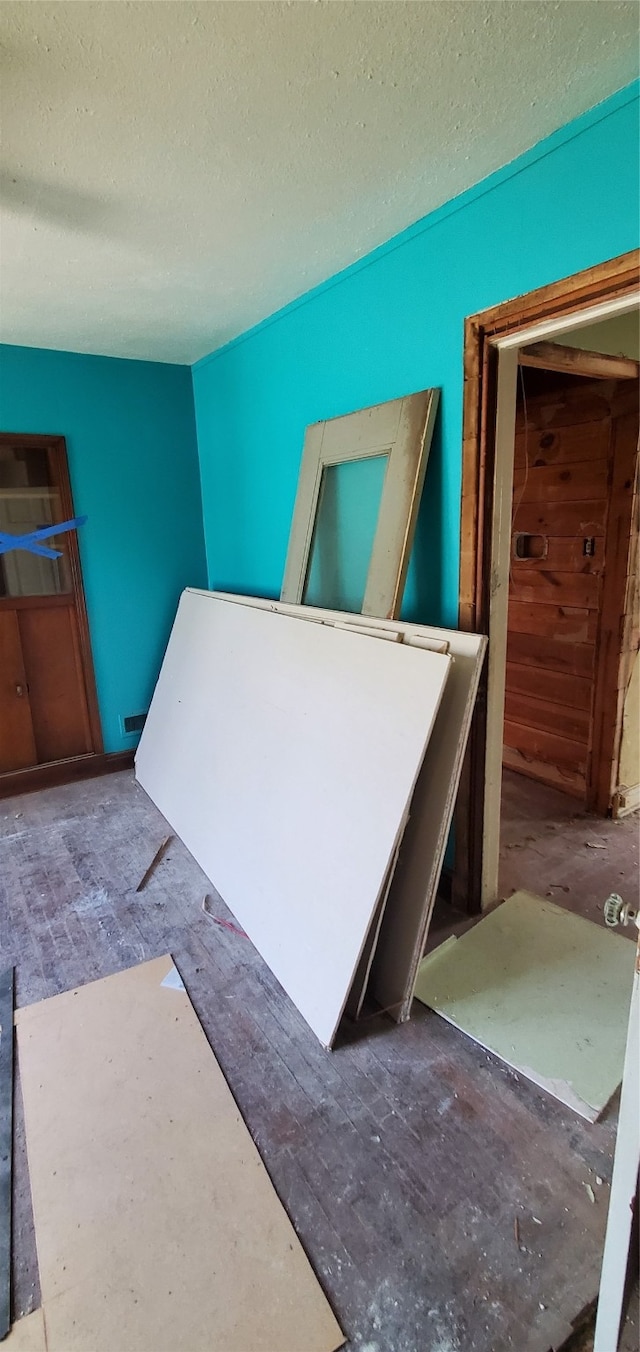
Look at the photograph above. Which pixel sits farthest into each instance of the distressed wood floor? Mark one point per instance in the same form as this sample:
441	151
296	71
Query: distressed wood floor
404	1157
550	845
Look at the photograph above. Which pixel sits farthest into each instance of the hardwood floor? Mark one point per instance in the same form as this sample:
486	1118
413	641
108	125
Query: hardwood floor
404	1158
549	844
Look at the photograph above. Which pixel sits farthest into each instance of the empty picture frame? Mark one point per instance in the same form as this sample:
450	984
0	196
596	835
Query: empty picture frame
376	460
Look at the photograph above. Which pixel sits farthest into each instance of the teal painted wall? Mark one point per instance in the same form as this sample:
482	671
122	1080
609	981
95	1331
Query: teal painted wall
131	444
392	324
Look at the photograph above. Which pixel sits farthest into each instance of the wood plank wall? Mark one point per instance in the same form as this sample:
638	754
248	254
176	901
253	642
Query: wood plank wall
561	483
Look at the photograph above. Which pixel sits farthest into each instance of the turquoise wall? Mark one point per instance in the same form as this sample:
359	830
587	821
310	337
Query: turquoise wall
131	443
392	324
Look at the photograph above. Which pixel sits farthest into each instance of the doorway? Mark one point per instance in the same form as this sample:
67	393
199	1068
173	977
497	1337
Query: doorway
493	342
570	761
48	704
570	622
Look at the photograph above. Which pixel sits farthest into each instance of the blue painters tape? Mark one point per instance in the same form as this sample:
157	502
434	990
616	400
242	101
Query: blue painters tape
9	542
30	541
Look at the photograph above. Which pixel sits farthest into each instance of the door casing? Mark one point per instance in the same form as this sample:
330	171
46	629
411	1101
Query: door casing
492	339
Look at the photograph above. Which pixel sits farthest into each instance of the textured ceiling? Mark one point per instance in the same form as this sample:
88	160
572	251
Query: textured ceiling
174	172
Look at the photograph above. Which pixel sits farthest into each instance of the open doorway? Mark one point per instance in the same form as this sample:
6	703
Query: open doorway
493	341
571	751
549	570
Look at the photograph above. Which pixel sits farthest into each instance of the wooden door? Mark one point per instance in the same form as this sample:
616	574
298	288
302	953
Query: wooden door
48	707
17	744
573	486
356	507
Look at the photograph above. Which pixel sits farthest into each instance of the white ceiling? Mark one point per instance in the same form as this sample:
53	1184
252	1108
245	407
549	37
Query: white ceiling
174	172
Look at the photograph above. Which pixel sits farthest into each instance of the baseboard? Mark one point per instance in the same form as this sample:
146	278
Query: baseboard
63	772
566	781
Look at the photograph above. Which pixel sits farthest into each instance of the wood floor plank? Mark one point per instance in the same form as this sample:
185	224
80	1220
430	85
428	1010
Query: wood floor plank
414	1115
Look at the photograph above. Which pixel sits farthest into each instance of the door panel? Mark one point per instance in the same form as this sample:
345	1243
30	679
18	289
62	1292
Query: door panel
53	666
353	523
17	744
558	446
543	653
561	478
564	559
562	482
44	634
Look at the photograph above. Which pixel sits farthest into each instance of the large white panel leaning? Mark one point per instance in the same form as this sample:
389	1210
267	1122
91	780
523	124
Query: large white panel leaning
284	754
396	945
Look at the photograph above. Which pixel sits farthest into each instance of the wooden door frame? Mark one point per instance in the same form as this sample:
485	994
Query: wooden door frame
400	429
492	338
14	781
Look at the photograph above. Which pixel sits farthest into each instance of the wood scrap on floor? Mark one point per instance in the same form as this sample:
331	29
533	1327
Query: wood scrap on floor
156	1222
543	989
154	863
6	1144
285	754
27	1334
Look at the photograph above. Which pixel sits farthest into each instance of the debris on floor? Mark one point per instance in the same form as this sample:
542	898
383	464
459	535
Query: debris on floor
402	1158
154	863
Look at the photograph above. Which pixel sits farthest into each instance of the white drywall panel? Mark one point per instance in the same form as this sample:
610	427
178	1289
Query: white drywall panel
412	894
284	754
395	943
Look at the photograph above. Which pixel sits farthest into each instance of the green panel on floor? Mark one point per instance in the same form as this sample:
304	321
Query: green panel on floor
545	990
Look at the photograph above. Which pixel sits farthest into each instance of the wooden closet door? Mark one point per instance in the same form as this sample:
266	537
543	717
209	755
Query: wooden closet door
566	553
48	706
53	668
17	744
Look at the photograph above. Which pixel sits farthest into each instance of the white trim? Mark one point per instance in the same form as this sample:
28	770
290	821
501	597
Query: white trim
624	1182
581	319
498	608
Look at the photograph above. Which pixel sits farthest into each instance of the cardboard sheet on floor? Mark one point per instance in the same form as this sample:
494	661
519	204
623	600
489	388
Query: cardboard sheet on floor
543	989
27	1334
284	754
157	1227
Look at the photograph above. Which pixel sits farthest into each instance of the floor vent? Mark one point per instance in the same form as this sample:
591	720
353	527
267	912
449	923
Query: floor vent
134	722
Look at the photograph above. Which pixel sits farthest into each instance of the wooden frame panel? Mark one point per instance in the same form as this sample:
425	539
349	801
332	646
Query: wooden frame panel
400	428
56	450
610	282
